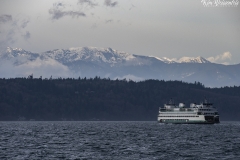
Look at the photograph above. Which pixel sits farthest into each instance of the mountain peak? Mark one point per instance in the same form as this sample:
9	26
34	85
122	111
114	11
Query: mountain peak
10	52
183	60
165	59
93	54
193	60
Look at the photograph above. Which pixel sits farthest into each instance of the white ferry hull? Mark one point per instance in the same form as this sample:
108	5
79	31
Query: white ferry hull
186	122
190	120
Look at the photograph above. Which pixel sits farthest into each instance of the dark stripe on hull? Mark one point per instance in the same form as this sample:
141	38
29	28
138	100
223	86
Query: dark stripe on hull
187	122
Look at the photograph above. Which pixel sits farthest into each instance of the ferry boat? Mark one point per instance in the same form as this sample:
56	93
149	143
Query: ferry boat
203	113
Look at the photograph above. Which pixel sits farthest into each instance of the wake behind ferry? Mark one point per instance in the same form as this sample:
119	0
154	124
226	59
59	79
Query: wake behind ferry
203	113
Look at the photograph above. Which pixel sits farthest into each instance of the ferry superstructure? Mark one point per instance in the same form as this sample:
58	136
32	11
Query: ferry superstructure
203	113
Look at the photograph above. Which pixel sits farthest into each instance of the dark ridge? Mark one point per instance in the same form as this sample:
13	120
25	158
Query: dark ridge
105	99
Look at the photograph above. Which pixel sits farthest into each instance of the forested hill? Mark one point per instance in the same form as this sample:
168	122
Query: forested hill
105	99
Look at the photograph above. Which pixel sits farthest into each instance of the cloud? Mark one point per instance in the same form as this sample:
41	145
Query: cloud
58	12
24	23
12	29
109	21
224	58
132	6
94	26
38	67
129	77
5	18
109	3
87	2
27	35
7	38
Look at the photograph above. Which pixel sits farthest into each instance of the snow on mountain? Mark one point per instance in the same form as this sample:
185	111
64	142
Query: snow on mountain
192	60
16	62
15	52
18	56
165	60
183	60
92	54
89	54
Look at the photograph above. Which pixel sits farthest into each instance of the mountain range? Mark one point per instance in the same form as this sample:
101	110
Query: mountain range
109	63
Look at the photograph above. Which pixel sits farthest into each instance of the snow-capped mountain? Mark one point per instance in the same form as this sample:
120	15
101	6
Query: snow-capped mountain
165	60
192	60
92	54
183	60
107	62
18	55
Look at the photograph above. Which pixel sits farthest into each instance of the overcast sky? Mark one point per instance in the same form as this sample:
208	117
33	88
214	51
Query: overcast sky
162	28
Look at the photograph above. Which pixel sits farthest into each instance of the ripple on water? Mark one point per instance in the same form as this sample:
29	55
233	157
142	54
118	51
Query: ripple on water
118	140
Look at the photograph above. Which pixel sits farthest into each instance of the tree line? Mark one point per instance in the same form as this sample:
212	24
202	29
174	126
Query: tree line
105	99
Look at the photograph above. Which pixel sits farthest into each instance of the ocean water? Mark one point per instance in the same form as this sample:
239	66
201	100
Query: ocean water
118	140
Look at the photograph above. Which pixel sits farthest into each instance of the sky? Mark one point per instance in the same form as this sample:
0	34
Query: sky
161	28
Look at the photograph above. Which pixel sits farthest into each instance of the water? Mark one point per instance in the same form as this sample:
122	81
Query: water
118	140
